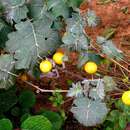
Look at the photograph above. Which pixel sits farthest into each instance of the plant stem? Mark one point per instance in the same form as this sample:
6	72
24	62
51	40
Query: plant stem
43	90
120	65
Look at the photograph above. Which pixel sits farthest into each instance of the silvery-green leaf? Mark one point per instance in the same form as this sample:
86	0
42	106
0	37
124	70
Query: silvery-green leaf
88	112
93	94
92	19
32	40
110	84
74	3
109	48
16	10
6	67
4	30
76	90
58	8
75	37
74	24
101	40
36	8
95	87
78	42
85	57
100	88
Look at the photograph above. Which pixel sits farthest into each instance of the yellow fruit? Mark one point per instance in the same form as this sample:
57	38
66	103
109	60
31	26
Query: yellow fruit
58	58
90	67
45	66
126	97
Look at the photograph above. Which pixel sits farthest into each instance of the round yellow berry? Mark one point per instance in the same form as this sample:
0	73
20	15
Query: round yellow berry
126	97
90	67
45	66
58	58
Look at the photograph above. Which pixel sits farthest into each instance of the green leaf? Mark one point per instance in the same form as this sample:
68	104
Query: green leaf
110	84
109	48
76	90
122	121
98	92
5	124
75	37
94	89
36	123
54	118
92	19
121	106
25	110
58	8
36	8
24	117
4	30
15	111
108	128
16	10
74	3
7	100
32	40
80	42
88	112
2	116
6	67
85	57
113	116
27	99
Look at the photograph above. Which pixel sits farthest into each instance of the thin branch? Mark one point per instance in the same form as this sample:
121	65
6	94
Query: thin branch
43	90
119	65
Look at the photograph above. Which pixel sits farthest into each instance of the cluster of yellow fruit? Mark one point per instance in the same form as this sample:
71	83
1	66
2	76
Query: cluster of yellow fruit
90	67
46	65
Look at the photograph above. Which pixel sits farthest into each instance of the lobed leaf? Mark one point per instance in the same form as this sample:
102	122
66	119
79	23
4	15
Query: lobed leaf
31	40
54	118
88	112
58	8
4	30
5	124
7	100
75	37
16	10
37	122
6	67
109	48
92	19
